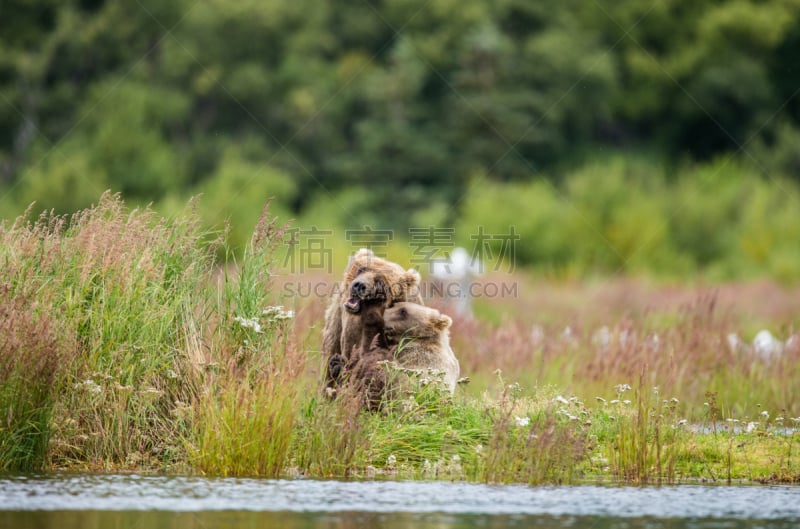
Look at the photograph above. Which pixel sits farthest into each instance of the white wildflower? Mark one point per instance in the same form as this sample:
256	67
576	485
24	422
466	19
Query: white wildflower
277	313
522	421
90	385
600	399
622	388
391	460
751	427
561	400
248	323
673	400
626	402
765	414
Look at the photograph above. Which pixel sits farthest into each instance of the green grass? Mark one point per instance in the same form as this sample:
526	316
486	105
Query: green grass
124	344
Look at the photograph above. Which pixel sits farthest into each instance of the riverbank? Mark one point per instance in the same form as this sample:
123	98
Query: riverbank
633	436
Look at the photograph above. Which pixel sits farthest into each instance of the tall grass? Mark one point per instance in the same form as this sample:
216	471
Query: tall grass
688	341
331	437
643	433
123	346
31	359
245	413
534	441
105	294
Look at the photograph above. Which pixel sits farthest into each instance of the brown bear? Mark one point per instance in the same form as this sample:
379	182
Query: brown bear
365	370
423	338
366	278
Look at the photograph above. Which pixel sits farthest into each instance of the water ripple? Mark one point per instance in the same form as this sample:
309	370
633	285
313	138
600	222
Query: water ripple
196	494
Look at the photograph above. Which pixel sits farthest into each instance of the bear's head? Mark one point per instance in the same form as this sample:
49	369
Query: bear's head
369	277
410	320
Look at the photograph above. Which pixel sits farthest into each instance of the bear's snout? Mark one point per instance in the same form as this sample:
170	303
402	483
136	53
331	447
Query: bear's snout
358	289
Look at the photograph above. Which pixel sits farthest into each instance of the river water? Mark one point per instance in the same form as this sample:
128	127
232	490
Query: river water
99	501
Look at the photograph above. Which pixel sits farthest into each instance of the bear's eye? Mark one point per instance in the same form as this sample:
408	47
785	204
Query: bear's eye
403	313
361	270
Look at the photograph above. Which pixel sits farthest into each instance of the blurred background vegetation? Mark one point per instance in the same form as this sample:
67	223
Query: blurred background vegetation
632	136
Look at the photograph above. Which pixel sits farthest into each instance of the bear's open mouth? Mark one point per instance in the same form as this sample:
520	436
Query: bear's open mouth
359	291
353	305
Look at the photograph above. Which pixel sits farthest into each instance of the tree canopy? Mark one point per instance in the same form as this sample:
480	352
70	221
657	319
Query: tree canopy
389	108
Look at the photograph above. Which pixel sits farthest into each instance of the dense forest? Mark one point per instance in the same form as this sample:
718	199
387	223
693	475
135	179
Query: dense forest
643	136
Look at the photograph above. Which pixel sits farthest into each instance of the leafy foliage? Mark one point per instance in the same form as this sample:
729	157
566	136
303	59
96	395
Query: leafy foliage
386	109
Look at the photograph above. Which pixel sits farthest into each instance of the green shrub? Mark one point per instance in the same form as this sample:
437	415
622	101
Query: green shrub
620	215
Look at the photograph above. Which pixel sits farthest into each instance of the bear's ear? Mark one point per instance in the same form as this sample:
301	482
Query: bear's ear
442	322
358	261
412	277
363	257
408	287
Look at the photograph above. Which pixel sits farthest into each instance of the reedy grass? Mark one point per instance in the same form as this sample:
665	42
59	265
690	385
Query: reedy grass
31	358
331	438
245	413
684	346
115	286
126	346
643	435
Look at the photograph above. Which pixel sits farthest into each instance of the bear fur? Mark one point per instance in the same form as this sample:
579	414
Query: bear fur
423	335
365	370
367	278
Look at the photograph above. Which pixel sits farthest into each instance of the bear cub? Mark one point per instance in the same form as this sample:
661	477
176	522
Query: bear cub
423	335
